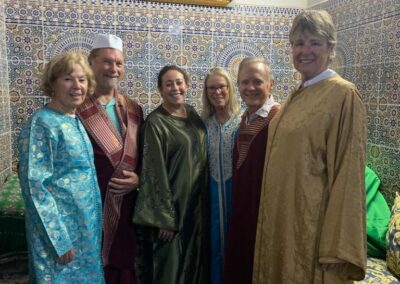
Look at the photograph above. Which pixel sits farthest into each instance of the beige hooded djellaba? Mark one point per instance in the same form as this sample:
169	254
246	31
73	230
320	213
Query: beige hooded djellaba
312	206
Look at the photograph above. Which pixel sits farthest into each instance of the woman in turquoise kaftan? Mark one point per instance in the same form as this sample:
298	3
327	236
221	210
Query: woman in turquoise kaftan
221	117
58	181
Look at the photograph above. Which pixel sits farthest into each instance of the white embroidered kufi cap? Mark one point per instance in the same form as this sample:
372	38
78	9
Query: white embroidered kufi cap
107	41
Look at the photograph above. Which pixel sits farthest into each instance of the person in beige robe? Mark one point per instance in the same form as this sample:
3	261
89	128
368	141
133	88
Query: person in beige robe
311	225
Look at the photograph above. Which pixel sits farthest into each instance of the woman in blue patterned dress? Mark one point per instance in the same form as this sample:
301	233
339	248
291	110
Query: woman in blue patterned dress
221	117
58	180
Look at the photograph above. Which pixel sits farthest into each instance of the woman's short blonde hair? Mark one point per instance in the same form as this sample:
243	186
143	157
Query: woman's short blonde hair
64	64
233	105
316	22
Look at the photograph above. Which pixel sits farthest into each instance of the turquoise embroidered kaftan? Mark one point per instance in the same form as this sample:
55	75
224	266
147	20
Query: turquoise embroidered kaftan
63	205
220	140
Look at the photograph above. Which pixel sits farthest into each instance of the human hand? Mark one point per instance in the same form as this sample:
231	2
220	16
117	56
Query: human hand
166	235
67	257
124	185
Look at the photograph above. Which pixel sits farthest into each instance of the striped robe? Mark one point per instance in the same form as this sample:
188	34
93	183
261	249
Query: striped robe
248	164
115	152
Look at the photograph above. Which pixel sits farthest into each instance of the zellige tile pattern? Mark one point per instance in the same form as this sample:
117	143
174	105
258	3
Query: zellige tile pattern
198	38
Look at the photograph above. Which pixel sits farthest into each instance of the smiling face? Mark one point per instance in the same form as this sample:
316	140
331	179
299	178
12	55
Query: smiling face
310	54
254	85
69	90
108	68
217	91
173	89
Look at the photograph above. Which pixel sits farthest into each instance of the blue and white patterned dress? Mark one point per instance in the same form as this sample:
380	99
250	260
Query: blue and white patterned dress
63	204
221	139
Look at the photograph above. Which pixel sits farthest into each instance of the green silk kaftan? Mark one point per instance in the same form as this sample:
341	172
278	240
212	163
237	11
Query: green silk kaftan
378	216
173	195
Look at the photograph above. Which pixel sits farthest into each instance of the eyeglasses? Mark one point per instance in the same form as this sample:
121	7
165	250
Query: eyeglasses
216	88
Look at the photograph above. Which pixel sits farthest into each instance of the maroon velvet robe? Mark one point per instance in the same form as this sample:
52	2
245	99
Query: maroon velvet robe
123	248
119	238
248	165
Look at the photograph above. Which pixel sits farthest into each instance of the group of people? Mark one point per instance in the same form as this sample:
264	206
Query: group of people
272	195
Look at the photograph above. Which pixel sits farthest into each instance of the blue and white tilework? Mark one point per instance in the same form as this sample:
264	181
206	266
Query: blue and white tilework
198	38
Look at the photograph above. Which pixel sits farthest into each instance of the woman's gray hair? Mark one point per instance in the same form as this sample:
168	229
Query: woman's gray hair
316	22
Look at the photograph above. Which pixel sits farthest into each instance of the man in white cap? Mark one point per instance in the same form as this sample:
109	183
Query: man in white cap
113	121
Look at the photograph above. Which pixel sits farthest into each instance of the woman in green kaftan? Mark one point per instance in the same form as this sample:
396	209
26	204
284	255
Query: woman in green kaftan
173	203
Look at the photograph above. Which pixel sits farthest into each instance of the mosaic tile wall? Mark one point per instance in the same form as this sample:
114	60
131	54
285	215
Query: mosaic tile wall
5	130
193	37
198	38
368	54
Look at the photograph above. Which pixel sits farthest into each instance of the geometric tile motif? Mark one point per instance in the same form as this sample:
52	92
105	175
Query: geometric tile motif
368	43
253	46
286	81
58	40
5	126
390	7
22	108
5	123
99	15
14	149
2	14
230	55
388	120
226	52
373	133
389	92
65	15
345	52
366	78
225	24
135	46
281	53
199	20
390	39
5	142
24	79
368	11
198	38
135	84
28	12
196	86
5	163
386	163
196	50
164	49
24	42
126	18
161	19
3	47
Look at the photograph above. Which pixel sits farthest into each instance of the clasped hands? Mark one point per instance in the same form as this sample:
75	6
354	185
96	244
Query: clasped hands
124	185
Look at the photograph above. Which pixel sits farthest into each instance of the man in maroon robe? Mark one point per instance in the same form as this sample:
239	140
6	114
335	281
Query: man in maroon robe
255	83
113	121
